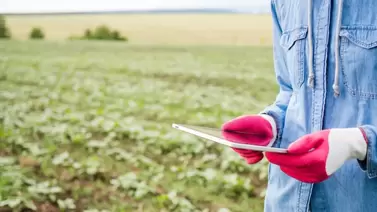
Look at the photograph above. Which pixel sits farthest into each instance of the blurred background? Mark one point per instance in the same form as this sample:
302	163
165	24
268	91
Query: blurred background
89	90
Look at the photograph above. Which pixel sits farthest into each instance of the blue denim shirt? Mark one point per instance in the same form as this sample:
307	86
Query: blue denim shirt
325	56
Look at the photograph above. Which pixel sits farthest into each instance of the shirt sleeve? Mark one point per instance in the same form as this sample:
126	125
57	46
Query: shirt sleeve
369	165
278	108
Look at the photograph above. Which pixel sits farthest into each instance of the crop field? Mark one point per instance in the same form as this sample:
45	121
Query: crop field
155	29
86	126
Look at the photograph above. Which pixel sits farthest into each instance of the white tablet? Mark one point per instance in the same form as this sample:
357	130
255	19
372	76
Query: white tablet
217	135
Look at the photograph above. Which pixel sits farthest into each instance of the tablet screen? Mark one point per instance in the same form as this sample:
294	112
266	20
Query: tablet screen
233	136
230	138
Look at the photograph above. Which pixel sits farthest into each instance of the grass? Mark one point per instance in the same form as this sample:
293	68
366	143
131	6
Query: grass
86	126
155	29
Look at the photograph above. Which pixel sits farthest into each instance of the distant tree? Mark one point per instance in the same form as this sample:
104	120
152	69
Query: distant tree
116	36
36	33
101	32
4	30
88	34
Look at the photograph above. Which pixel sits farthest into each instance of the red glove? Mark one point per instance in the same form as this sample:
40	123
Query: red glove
251	129
315	157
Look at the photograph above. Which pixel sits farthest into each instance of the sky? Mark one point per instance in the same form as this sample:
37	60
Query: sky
38	6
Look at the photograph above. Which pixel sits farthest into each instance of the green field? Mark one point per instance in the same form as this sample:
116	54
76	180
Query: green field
86	126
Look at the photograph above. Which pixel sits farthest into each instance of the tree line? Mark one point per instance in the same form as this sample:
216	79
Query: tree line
101	32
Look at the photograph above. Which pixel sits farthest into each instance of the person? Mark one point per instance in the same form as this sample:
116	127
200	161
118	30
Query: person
325	113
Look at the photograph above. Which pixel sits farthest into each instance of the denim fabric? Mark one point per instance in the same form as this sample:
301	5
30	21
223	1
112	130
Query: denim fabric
324	42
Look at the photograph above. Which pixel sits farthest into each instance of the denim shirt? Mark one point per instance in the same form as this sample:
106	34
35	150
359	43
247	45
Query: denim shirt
325	58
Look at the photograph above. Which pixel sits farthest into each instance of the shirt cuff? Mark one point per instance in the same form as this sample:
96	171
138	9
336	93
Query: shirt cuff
279	120
369	164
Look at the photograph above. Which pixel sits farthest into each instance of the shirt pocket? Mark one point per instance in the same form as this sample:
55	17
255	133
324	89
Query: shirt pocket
358	60
294	42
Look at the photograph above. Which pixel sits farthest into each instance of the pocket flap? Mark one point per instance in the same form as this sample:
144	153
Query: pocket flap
365	37
288	38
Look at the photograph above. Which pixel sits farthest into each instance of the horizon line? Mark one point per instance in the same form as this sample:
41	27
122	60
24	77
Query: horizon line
146	11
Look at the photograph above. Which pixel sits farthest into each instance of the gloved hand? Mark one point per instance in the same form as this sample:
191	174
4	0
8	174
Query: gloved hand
251	129
315	157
